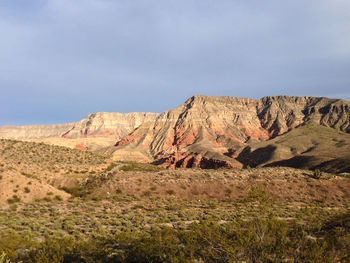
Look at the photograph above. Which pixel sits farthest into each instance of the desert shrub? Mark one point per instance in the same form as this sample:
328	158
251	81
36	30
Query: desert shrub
4	259
317	174
147	193
257	193
50	251
159	246
26	190
170	192
142	167
58	198
12	245
260	239
228	191
14	199
74	191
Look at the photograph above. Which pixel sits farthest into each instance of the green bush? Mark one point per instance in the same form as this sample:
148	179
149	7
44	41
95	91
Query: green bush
4	259
14	199
317	174
263	239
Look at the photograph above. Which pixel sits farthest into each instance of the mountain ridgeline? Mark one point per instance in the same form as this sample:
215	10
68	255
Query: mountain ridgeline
100	124
214	132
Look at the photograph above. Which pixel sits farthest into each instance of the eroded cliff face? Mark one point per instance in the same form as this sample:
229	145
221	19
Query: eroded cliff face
208	132
101	124
205	131
108	124
34	131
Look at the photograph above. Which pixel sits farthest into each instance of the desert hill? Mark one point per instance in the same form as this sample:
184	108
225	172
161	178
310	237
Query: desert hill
310	146
212	132
34	171
51	195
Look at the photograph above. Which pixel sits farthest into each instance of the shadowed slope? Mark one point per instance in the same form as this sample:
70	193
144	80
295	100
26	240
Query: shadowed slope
309	146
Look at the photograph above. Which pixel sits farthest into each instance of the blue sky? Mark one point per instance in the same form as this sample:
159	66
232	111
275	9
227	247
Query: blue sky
63	59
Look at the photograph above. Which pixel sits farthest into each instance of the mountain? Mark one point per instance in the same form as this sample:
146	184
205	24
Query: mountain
213	132
34	131
100	124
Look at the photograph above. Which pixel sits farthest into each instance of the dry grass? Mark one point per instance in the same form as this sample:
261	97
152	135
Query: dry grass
109	198
37	168
283	184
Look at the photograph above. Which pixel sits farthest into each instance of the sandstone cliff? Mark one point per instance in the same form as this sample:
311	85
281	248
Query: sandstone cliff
34	131
101	124
213	132
210	132
107	124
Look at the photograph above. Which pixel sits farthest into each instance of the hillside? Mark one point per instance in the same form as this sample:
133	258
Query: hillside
73	205
309	146
211	132
33	171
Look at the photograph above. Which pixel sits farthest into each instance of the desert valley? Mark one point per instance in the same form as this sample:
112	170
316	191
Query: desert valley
216	179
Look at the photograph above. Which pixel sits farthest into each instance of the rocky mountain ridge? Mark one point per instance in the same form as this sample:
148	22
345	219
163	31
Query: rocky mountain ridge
210	132
213	132
100	124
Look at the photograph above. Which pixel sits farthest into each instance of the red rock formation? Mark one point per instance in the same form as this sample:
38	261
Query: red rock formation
208	131
80	147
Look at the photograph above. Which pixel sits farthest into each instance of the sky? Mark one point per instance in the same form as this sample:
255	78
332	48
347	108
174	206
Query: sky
63	59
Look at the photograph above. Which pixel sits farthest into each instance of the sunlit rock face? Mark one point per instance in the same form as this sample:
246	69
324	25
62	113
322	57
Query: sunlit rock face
101	124
205	131
208	132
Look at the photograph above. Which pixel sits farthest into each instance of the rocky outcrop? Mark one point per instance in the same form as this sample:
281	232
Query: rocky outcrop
209	131
101	124
34	131
108	124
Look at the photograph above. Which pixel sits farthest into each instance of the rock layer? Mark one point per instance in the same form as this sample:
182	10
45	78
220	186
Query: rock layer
212	132
101	124
209	131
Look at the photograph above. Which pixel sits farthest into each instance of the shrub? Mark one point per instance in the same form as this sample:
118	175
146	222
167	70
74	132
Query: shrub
257	193
317	174
47	199
14	199
3	258
170	192
58	198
